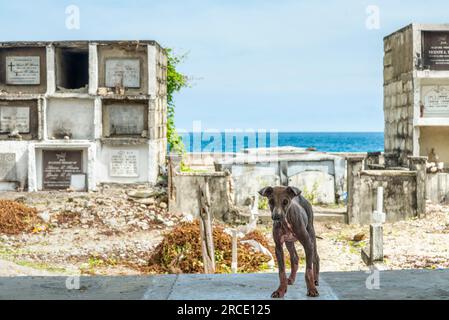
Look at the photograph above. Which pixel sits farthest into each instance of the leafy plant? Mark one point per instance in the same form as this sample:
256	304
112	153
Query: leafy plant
176	81
312	195
263	203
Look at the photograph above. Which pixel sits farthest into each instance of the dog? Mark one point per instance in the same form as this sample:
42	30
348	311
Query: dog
292	217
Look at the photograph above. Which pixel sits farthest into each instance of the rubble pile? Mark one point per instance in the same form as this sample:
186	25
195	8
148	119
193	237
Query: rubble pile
16	218
115	211
180	252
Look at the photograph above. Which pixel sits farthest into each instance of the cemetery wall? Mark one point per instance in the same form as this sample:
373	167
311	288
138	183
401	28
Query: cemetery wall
319	175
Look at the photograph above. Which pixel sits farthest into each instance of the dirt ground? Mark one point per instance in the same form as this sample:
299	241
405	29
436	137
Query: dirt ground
107	231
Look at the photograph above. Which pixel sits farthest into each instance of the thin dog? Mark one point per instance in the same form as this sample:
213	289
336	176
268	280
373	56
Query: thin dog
292	217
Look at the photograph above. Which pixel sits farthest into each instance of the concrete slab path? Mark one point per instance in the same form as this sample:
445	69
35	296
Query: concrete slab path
392	285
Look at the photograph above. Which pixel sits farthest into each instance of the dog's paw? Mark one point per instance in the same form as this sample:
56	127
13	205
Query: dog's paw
291	281
312	292
278	294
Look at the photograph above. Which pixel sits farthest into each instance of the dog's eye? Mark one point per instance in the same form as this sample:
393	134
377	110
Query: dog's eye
285	202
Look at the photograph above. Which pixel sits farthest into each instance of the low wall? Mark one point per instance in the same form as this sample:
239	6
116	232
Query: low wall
184	188
404	191
322	174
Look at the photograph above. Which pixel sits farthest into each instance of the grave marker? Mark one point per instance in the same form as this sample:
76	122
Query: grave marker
124	163
126	119
436	100
14	118
123	73
58	167
23	70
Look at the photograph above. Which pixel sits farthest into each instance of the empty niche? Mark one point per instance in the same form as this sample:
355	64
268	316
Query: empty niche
70	119
125	119
72	69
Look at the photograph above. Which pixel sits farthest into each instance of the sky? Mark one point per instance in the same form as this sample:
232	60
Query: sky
253	64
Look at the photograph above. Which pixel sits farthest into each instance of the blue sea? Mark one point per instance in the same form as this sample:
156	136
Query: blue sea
321	141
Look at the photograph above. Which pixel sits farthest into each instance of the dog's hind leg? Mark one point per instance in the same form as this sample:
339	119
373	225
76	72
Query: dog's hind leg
316	258
294	261
316	267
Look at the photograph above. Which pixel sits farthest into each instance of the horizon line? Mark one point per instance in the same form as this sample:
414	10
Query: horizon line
223	131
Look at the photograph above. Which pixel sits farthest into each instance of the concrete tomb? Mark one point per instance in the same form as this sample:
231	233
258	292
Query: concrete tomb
416	92
74	114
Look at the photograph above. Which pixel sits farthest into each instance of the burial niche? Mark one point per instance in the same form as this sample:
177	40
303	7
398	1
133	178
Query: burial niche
72	69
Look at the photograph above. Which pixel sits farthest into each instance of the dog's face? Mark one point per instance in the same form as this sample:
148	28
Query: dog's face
279	199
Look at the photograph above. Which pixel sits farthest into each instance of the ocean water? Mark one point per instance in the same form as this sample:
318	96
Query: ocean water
322	141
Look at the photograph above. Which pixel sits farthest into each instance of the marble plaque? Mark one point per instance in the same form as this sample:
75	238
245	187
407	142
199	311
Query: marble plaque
14	119
436	101
123	73
21	70
58	167
124	163
126	119
8	167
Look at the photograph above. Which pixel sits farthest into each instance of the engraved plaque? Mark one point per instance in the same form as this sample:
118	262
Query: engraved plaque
14	119
123	73
21	70
58	167
124	163
8	167
436	101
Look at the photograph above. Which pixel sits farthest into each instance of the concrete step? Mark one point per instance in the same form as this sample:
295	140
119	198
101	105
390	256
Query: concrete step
321	216
331	217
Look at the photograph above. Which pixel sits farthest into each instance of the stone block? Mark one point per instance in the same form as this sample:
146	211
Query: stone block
8	170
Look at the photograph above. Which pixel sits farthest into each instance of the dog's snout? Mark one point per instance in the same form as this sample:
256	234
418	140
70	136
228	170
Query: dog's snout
276	214
275	217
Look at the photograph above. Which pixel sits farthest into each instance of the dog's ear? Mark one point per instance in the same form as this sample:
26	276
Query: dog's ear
294	191
266	192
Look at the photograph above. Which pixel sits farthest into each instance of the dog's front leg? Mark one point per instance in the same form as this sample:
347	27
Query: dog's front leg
303	236
280	292
294	261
